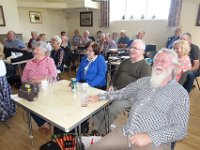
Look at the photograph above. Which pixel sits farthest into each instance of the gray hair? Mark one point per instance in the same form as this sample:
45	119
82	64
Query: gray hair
123	31
141	42
187	34
57	38
65	37
170	52
141	31
43	46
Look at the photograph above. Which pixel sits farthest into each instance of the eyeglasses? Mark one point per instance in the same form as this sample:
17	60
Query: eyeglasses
134	48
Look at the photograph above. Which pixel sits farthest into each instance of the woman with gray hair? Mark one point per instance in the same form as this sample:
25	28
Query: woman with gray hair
57	53
39	69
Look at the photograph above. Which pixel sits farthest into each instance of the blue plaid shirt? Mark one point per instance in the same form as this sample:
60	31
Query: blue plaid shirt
15	44
162	113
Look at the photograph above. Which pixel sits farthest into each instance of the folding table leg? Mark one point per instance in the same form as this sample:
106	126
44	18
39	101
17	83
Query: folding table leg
30	127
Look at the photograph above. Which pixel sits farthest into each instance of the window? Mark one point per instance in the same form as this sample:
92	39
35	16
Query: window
139	9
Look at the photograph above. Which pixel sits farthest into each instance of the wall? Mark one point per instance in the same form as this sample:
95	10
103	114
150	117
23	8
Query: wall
53	22
17	19
188	19
11	16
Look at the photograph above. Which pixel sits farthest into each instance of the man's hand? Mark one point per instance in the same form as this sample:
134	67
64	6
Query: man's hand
140	139
93	98
111	88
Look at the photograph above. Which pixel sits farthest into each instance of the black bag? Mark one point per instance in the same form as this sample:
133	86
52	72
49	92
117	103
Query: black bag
50	146
28	91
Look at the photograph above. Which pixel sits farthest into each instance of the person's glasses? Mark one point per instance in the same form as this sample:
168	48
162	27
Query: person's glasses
134	48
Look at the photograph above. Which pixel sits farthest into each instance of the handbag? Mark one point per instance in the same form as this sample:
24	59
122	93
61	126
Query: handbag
28	91
50	146
66	141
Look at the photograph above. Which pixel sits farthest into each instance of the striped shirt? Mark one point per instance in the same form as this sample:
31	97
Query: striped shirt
162	113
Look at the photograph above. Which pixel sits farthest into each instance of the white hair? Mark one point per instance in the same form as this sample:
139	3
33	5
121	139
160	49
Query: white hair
123	31
65	37
170	52
86	31
139	41
57	38
157	79
43	46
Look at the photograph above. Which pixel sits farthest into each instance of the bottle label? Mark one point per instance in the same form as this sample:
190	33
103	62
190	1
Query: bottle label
73	85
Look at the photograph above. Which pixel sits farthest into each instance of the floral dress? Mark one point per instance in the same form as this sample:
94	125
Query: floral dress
7	105
183	66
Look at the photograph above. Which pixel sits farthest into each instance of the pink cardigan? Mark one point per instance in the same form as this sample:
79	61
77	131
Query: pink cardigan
35	70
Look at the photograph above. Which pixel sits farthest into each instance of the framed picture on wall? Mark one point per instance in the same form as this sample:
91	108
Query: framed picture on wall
35	17
198	17
2	19
86	18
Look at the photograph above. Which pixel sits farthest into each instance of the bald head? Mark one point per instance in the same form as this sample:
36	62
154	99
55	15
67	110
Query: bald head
11	35
186	37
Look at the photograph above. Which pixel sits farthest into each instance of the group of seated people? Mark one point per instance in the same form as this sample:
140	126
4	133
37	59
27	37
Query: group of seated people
157	117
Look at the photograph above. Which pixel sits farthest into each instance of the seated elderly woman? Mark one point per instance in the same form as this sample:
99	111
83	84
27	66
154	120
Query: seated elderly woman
57	53
93	68
68	52
7	108
40	68
182	48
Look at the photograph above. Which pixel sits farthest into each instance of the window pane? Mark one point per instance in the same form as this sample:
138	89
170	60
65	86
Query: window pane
137	8
159	8
117	9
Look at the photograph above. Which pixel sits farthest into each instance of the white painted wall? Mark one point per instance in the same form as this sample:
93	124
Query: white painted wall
11	16
188	19
17	19
53	22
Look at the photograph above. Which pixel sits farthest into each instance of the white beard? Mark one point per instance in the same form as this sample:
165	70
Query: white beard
158	78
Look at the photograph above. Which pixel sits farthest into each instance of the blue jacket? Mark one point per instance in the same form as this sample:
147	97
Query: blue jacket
96	73
171	40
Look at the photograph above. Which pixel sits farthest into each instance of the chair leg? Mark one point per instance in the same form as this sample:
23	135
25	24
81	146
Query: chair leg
197	83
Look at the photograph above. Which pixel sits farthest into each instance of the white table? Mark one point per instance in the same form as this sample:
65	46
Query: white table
60	107
19	63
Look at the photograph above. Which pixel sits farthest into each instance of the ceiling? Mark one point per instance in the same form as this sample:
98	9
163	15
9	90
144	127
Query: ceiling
75	5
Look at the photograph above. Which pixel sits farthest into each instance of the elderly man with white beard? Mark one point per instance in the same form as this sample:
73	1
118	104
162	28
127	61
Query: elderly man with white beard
159	114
